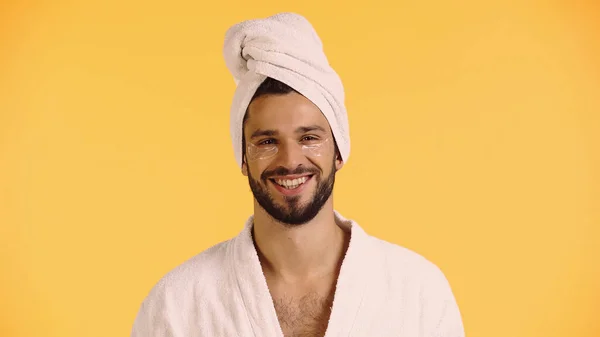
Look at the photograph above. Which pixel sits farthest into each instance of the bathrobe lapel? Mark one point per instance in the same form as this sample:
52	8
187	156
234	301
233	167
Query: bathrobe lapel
351	285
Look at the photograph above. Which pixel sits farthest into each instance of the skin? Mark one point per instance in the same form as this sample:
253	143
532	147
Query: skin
299	244
300	261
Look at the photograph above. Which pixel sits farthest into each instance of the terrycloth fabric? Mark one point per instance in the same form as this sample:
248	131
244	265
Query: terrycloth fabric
287	48
383	290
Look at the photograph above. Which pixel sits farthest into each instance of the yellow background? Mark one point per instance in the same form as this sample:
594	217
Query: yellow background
475	142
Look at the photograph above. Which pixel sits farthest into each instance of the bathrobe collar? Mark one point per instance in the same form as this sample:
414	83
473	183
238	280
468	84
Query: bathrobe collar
253	289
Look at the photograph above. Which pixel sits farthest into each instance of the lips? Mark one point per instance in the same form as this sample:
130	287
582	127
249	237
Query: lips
291	182
289	186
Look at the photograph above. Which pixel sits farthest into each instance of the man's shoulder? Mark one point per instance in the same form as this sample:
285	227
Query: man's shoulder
201	270
200	279
415	275
407	263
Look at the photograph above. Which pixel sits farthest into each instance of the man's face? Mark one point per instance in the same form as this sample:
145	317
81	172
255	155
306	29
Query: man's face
290	157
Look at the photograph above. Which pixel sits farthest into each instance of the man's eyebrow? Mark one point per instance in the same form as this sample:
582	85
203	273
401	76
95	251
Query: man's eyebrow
260	133
304	129
301	129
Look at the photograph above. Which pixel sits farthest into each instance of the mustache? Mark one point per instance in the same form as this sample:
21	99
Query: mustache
282	171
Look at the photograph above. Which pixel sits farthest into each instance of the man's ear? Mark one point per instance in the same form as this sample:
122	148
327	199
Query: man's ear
244	166
339	163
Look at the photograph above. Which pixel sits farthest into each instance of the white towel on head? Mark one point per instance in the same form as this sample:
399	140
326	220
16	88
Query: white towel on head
285	47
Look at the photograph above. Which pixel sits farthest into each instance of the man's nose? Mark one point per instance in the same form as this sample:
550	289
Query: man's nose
290	155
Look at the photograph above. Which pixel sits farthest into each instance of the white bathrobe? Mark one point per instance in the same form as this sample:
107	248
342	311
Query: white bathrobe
383	290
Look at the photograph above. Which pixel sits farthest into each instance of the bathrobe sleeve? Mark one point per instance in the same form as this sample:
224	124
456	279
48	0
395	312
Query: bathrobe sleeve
157	316
441	316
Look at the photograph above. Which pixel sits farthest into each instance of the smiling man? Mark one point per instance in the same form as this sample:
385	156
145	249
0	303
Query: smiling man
298	268
292	152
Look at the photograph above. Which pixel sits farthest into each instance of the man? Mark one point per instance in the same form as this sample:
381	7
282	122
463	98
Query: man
298	268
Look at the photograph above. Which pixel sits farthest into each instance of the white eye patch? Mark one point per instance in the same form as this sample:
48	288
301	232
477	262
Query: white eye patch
311	148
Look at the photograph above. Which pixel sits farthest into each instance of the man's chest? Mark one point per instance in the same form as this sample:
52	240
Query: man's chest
303	316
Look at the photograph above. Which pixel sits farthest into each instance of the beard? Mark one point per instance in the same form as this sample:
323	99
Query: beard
293	213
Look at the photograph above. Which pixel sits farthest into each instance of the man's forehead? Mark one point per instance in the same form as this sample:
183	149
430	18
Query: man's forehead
285	114
292	121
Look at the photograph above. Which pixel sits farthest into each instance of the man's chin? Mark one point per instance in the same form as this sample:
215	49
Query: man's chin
290	213
290	220
291	206
291	210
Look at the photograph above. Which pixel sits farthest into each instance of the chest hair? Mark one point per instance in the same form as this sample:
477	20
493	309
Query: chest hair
305	316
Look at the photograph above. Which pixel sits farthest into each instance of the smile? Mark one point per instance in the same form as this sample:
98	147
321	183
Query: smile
290	184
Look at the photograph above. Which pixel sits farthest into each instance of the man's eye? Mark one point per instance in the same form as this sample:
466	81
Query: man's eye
266	142
309	138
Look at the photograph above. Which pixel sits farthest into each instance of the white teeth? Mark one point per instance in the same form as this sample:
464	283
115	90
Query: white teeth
291	184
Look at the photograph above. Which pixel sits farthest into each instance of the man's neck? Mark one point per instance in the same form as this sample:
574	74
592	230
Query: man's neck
301	252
